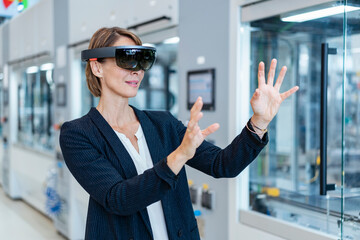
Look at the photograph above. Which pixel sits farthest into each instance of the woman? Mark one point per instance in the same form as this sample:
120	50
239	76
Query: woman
131	162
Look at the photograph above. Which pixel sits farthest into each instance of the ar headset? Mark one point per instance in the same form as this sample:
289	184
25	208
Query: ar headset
133	58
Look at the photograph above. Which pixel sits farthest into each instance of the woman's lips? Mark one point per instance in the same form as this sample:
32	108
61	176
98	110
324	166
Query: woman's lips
133	83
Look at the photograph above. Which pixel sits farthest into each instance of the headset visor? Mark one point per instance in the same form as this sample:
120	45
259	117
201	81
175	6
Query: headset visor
133	58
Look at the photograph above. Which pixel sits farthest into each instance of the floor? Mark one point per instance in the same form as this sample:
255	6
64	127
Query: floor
18	221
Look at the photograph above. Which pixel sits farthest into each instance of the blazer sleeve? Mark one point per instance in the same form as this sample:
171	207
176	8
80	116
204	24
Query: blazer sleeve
227	162
103	182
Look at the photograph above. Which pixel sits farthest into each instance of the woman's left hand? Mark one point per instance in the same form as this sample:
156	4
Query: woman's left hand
267	99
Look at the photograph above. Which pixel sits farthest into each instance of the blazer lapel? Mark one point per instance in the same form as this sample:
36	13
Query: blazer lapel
112	139
151	135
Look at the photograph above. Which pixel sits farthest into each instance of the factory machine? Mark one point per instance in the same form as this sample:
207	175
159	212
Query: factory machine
309	172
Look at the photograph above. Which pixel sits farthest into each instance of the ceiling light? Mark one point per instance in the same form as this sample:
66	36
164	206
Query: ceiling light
32	69
172	40
149	45
47	66
320	13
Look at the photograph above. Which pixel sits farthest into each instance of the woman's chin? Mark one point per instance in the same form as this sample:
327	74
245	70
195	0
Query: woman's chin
129	95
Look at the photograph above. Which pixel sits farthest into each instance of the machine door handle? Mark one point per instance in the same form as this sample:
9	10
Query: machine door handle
325	51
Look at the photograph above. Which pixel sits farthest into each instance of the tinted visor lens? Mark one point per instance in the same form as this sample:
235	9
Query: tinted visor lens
135	59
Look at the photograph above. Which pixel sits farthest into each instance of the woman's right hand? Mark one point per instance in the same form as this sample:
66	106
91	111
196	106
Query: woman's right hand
192	138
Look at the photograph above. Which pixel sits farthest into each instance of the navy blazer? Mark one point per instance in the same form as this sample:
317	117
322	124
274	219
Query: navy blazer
119	196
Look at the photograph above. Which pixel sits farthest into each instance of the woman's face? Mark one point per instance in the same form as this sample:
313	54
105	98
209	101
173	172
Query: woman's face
119	81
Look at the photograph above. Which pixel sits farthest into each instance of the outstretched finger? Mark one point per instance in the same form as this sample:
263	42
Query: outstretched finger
261	74
210	129
288	93
196	108
271	74
280	79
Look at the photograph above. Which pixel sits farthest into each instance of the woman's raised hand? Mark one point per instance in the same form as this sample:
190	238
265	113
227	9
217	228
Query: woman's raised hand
193	138
267	98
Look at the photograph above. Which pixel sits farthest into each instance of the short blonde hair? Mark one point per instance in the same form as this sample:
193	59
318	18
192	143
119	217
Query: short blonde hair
105	37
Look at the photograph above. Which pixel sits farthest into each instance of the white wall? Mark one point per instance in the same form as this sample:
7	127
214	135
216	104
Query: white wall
204	32
31	32
85	20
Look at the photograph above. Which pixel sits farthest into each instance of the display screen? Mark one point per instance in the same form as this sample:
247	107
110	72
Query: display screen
201	83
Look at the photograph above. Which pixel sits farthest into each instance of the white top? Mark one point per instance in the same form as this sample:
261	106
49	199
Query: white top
143	161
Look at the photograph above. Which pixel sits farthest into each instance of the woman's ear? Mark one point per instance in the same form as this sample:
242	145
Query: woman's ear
96	68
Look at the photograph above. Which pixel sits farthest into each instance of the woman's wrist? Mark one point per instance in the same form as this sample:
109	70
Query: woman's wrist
176	160
259	123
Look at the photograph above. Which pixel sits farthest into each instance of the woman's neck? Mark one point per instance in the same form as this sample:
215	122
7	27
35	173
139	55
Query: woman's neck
116	112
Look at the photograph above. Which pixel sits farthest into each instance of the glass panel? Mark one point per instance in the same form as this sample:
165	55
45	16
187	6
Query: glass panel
284	180
35	107
25	109
351	152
